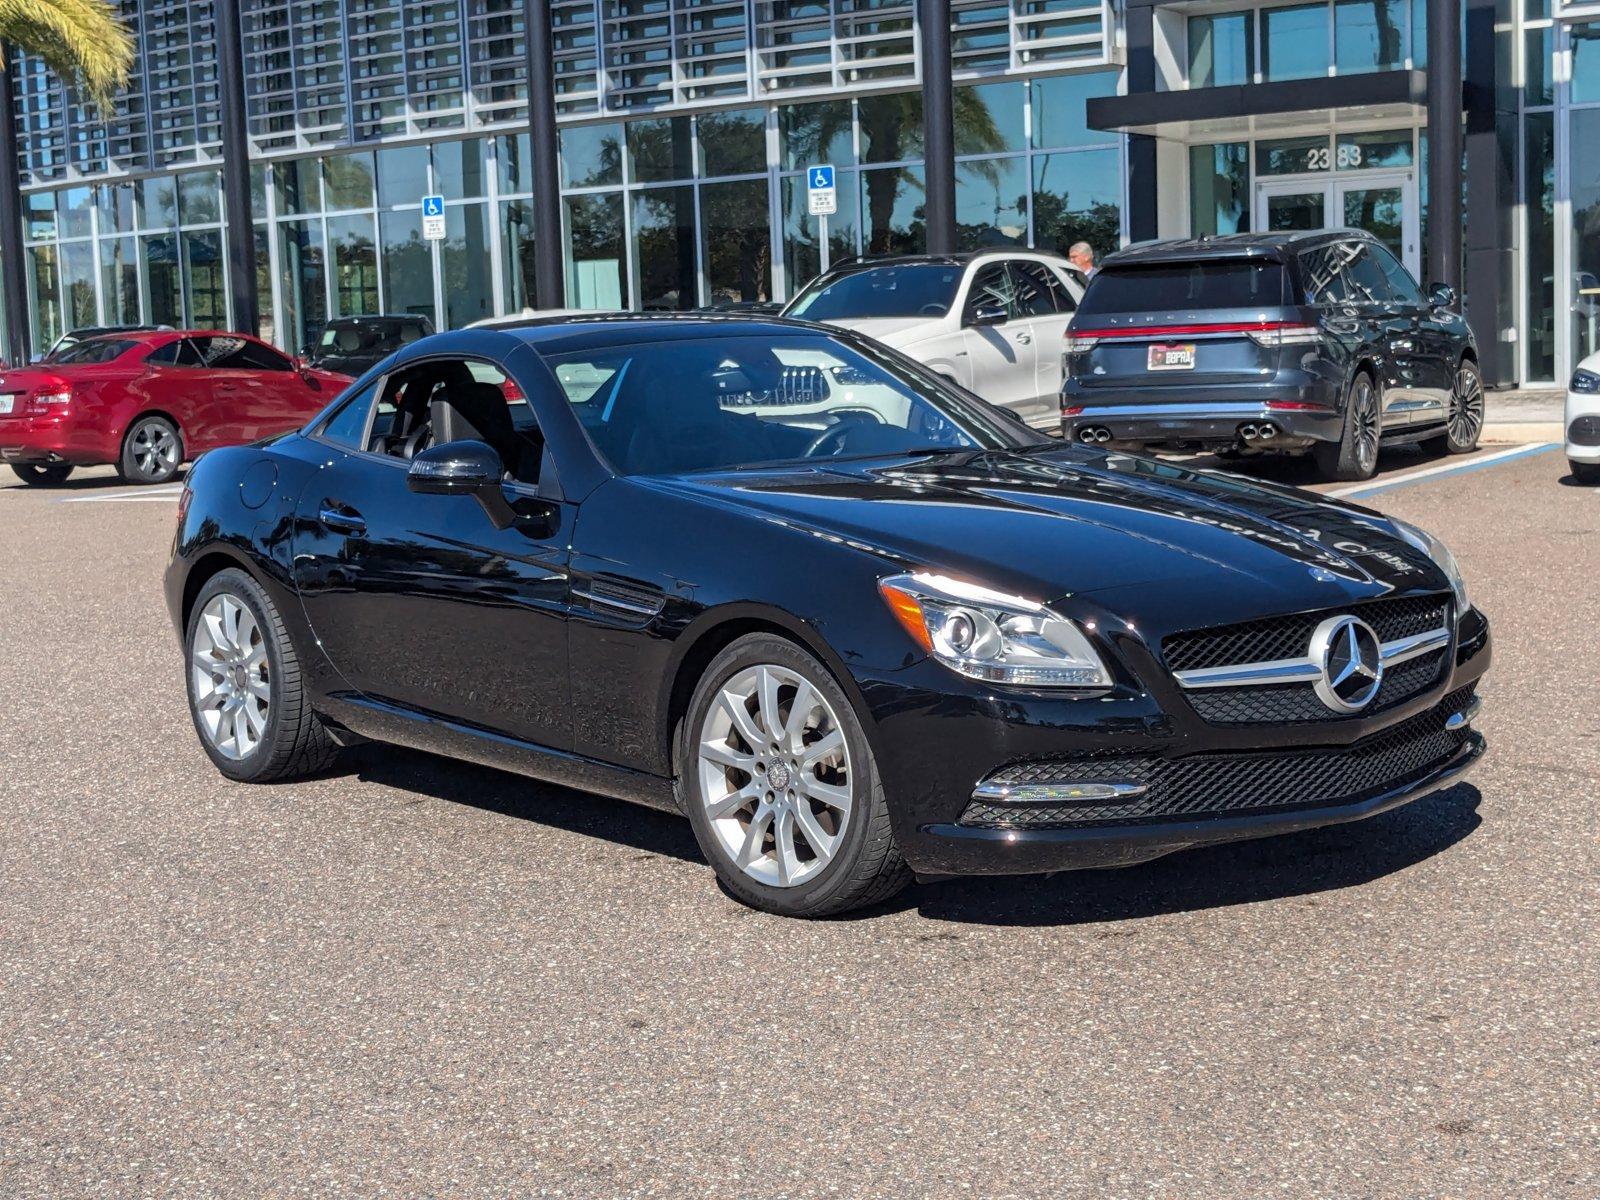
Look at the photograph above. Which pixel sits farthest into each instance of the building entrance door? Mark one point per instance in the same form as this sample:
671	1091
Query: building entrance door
1384	203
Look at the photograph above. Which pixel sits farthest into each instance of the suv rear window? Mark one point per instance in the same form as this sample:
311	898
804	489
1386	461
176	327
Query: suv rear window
1213	283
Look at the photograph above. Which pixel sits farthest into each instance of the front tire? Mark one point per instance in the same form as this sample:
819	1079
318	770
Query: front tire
152	451
1355	455
42	474
1464	421
246	697
781	786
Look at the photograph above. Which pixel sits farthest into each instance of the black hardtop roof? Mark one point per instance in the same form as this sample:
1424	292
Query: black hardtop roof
1267	246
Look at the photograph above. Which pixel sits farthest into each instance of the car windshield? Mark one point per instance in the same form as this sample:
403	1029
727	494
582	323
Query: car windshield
95	350
373	337
720	403
899	290
1212	283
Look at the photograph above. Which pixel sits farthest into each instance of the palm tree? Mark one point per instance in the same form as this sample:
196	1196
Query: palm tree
82	41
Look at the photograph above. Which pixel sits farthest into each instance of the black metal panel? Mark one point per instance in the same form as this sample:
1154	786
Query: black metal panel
1444	143
549	285
1491	187
1143	110
938	124
238	228
15	279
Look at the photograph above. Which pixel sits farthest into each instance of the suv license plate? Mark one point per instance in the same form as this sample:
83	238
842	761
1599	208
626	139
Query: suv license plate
1172	358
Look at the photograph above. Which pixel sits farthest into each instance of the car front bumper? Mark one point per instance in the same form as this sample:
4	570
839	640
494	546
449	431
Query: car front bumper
1582	425
940	752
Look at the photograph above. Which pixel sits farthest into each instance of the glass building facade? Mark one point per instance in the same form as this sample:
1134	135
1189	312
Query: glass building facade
686	127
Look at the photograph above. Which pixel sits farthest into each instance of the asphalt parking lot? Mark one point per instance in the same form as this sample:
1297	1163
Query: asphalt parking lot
415	977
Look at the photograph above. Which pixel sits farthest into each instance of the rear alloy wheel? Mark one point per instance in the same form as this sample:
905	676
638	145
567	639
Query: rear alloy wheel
42	474
781	786
1355	454
246	697
1464	421
151	451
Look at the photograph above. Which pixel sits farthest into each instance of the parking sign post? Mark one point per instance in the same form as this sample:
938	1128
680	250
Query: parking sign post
433	218
822	201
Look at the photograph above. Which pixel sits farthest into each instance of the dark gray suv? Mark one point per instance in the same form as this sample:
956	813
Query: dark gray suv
1315	342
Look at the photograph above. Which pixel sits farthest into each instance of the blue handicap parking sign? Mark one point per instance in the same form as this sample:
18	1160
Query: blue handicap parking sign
433	206
821	178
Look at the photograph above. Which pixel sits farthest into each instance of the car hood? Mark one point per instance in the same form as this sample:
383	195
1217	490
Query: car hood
892	331
1172	548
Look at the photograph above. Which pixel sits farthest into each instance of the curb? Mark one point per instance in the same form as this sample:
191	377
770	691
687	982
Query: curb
1506	432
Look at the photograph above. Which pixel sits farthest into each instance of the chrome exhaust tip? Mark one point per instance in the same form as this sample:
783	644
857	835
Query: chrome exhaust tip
1102	435
1248	432
1266	431
1086	436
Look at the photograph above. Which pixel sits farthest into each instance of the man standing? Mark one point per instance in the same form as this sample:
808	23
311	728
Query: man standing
1082	256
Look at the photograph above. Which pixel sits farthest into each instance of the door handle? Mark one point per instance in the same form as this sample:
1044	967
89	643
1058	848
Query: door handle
342	519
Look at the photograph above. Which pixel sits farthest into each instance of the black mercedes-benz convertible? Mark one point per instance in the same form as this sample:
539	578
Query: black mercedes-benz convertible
849	619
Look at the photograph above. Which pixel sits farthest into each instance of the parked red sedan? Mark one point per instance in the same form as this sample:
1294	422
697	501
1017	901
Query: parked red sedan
147	401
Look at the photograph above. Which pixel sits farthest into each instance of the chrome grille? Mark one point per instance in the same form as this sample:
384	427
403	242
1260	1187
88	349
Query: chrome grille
1288	636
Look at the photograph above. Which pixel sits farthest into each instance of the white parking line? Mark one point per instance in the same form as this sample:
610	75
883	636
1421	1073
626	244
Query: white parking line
1471	464
141	496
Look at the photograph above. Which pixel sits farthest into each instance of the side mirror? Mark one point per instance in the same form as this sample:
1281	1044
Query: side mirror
1442	295
988	314
464	468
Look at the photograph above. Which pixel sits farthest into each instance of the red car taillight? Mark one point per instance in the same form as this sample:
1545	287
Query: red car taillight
51	395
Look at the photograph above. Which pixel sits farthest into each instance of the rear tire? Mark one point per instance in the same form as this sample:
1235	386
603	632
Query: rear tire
42	474
1464	421
1585	473
246	697
1355	455
800	764
152	451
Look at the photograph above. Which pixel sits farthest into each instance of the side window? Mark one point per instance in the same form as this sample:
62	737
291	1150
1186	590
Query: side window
239	354
347	427
991	285
1323	271
452	399
1036	291
1405	288
1365	278
181	353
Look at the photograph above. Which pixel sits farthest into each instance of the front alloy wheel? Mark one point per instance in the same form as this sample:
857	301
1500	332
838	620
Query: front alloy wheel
232	679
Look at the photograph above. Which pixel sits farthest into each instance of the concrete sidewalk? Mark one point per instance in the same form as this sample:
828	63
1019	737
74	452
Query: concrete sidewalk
1523	415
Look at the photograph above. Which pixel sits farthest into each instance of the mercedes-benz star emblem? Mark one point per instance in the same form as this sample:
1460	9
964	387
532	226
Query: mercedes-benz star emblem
1347	652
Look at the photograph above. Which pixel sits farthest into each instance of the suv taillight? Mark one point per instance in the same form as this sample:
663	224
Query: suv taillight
1274	334
1075	343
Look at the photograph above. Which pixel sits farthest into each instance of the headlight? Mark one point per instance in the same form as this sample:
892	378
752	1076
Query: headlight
988	635
1442	558
1585	381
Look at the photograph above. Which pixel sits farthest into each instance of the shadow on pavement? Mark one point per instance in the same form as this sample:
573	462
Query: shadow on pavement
1296	865
78	482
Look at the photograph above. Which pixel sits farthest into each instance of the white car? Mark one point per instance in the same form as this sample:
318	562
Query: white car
993	321
1582	421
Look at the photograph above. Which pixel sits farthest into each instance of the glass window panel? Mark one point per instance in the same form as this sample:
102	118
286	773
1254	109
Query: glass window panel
1293	156
596	266
158	202
200	198
663	238
458	169
891	127
1419	33
660	151
1222	50
516	244
513	163
991	202
258	189
1301	210
1219	189
298	186
39	214
1585	149
1540	87
117	208
355	265
266	327
203	278
74	207
815	133
1379	211
407	264
738	241
163	280
1294	42
349	180
1585	64
1368	35
1381	148
989	117
802	233
1078	198
402	175
303	282
1059	109
733	143
1539	171
591	156
46	295
119	280
77	285
892	211
468	279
